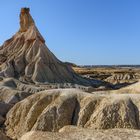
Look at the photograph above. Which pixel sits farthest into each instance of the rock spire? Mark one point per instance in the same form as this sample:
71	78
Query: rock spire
25	19
26	57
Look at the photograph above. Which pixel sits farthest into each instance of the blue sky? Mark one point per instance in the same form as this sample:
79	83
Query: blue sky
81	31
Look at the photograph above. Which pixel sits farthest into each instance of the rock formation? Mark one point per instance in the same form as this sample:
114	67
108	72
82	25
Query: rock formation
132	89
3	136
29	72
51	110
74	133
122	78
26	57
4	108
13	91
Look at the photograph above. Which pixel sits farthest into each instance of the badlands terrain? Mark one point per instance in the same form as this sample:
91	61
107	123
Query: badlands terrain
43	98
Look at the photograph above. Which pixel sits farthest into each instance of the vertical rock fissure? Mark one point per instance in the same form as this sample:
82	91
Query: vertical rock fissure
75	114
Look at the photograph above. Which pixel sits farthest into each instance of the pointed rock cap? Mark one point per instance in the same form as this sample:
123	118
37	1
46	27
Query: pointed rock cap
25	19
28	27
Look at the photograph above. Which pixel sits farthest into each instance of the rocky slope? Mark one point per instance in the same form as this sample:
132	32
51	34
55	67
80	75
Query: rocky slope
76	133
4	137
26	57
53	109
122	78
134	88
13	91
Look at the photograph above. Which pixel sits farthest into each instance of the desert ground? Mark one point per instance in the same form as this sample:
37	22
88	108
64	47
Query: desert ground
43	98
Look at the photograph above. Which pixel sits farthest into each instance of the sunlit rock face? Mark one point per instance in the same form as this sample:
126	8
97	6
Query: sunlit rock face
51	110
76	133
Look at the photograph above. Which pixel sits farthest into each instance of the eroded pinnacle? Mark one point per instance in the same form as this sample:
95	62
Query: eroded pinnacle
25	19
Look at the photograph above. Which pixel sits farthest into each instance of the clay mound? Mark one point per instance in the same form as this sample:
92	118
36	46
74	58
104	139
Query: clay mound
53	109
26	57
122	78
134	88
74	133
13	91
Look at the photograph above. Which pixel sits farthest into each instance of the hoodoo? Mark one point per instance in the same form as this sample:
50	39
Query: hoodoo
26	57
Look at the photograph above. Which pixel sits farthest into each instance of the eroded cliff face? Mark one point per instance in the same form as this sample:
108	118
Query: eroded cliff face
53	109
26	57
